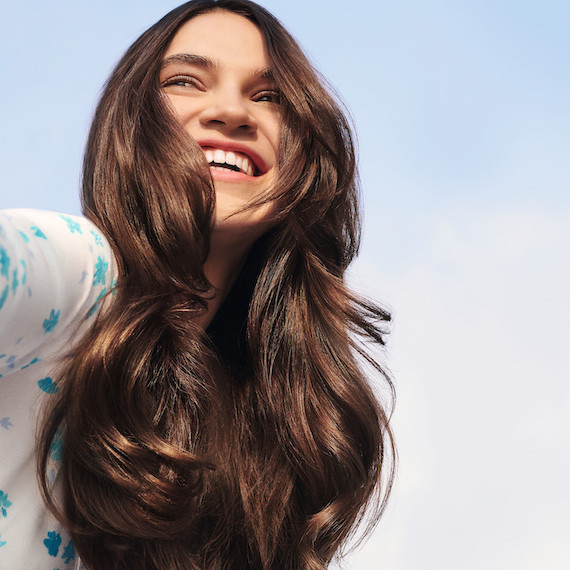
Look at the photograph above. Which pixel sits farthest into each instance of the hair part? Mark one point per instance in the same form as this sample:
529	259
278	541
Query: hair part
261	444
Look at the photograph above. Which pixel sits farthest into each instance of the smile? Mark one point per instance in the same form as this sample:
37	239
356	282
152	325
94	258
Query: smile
236	161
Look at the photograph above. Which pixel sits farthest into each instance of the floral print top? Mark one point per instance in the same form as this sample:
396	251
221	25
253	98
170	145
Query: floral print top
54	271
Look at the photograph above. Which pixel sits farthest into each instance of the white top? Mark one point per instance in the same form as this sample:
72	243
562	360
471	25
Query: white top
54	270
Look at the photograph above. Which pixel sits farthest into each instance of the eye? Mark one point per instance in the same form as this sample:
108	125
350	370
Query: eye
268	96
182	81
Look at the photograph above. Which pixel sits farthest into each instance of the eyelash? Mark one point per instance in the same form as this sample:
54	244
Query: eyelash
268	96
180	81
274	97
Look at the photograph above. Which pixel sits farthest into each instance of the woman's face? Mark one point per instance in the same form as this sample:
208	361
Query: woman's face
216	75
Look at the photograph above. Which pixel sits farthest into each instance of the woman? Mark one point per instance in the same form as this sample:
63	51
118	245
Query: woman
210	410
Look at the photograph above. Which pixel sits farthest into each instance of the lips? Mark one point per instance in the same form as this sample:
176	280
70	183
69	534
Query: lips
233	156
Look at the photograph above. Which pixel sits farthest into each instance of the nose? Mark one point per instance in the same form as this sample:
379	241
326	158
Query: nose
228	109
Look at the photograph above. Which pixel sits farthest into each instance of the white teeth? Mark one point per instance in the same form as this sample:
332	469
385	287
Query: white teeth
219	156
230	158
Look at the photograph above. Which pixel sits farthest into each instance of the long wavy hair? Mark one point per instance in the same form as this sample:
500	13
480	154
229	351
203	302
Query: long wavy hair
258	443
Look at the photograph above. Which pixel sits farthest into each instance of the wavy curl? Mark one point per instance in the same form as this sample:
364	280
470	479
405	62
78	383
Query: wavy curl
260	444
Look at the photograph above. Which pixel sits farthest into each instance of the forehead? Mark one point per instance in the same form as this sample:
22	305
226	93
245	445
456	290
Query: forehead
227	38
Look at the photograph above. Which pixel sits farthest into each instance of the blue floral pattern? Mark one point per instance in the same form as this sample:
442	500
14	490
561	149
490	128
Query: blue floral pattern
72	224
38	232
4	296
54	269
97	237
68	553
4	503
6	423
48	385
51	322
100	271
53	542
4	262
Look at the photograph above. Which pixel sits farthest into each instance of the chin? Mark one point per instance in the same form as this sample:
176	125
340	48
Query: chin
247	224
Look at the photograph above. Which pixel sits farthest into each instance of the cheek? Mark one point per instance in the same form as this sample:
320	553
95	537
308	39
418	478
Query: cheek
276	137
276	131
184	111
175	104
272	124
273	136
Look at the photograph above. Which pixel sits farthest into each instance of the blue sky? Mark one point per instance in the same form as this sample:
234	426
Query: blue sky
463	123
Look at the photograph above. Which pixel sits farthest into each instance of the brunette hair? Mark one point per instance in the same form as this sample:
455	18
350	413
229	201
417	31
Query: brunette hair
261	443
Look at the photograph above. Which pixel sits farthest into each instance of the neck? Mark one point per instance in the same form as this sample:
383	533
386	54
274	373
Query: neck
225	259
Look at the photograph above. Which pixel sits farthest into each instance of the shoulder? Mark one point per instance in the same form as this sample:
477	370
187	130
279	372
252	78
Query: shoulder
32	224
54	270
50	248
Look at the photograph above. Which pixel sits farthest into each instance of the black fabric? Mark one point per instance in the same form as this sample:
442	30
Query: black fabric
227	331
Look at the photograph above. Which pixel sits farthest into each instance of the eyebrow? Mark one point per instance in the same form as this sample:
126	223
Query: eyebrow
264	73
211	65
192	59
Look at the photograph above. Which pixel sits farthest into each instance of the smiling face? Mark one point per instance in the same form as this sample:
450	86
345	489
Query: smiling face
217	77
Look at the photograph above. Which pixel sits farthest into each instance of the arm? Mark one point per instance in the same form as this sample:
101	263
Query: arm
54	269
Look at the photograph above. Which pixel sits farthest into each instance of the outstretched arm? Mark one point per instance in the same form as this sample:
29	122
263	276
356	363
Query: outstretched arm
54	270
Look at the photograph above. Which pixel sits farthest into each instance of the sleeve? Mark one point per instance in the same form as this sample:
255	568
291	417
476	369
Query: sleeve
54	271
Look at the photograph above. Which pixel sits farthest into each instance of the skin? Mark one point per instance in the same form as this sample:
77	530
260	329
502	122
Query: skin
216	75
